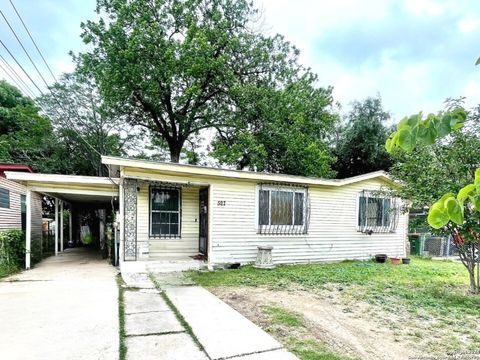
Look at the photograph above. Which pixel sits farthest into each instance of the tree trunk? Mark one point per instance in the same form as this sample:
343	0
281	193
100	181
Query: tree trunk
473	282
175	151
471	270
468	257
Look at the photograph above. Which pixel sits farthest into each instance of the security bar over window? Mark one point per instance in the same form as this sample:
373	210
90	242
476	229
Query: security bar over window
282	209
377	214
165	212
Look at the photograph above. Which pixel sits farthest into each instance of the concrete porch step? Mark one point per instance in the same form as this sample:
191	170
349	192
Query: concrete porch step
174	265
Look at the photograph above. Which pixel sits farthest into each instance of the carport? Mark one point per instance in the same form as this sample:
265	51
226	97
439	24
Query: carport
67	191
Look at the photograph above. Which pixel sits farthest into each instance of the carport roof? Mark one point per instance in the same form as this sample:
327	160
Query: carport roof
71	188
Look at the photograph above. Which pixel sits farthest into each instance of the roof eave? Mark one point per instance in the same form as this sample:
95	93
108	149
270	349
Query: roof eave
25	178
236	174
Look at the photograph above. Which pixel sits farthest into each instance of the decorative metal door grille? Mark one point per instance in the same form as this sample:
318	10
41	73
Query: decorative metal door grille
130	218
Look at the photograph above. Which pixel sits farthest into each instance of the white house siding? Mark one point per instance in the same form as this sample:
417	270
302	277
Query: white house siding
233	237
332	233
11	218
187	244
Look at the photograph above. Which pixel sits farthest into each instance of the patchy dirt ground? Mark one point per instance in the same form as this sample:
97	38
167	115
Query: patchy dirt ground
345	328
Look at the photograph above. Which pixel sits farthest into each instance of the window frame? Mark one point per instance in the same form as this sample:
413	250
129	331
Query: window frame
390	227
151	211
8	201
283	229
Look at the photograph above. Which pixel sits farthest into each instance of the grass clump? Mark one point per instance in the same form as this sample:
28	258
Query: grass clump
290	329
312	350
282	316
122	350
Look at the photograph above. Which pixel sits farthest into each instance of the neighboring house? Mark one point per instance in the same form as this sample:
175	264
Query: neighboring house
12	205
172	211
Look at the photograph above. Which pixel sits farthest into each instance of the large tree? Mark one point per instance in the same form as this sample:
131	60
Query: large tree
360	146
25	136
84	128
281	130
179	67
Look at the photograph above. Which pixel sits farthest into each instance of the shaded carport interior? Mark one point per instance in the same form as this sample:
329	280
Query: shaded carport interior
73	191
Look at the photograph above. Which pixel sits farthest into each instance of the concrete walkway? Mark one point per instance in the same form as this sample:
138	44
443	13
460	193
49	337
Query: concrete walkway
154	331
224	332
64	308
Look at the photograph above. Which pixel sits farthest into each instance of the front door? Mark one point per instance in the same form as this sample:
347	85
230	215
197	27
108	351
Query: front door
203	226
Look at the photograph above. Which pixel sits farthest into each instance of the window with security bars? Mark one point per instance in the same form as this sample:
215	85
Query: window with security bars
164	212
282	210
376	214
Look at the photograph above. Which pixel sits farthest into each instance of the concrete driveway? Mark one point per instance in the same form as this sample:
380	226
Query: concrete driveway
64	308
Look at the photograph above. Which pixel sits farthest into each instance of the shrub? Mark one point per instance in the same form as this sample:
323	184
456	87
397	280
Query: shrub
12	248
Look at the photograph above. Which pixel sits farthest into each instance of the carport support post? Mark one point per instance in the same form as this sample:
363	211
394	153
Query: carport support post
56	226
70	240
61	226
28	228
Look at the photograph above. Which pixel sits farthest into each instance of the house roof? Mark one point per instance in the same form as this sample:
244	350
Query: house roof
60	179
116	163
14	167
85	188
70	188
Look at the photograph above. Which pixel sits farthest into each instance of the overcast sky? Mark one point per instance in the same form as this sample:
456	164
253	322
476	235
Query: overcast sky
414	53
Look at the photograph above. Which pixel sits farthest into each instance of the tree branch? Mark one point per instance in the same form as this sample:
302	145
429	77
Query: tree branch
157	119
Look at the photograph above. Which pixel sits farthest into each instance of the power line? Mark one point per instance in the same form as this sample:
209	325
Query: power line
19	81
38	71
11	77
33	82
61	118
33	41
31	60
21	67
18	77
23	47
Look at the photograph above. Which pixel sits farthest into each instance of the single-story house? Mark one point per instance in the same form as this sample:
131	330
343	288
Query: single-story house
13	210
172	211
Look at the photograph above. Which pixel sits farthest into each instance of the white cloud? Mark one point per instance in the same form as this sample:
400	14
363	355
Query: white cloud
63	65
409	80
472	92
428	7
419	79
468	24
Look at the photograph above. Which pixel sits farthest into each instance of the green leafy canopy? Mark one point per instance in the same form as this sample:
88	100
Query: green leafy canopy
414	130
177	68
360	146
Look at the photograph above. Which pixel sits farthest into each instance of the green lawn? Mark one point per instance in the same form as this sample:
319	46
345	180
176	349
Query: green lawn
430	298
423	283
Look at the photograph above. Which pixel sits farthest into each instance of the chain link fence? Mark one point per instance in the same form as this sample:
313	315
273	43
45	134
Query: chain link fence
431	245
